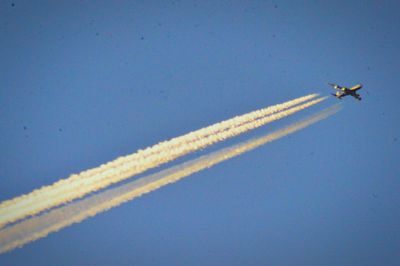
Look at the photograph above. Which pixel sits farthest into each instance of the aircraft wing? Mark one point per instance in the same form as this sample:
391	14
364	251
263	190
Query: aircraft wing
334	86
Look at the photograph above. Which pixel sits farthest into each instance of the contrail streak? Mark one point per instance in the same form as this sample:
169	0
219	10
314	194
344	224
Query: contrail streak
78	185
39	227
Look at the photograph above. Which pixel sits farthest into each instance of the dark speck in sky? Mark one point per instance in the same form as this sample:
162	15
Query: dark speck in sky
12	4
25	127
97	34
60	129
142	38
276	6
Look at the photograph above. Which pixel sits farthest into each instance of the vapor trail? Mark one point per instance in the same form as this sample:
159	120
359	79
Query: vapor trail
78	185
39	227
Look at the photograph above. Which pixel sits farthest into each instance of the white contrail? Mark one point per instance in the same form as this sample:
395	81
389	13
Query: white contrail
38	227
81	184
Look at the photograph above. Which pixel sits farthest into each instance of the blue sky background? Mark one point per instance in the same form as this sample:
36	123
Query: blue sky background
83	82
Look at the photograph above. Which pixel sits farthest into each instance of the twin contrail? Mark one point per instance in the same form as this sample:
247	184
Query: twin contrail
38	227
78	185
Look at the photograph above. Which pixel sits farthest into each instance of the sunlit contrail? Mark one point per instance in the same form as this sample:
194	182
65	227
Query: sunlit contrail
81	184
38	227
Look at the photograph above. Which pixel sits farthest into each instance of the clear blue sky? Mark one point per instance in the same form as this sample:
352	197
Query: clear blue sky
82	82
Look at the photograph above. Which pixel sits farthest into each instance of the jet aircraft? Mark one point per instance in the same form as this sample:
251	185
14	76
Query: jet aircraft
343	91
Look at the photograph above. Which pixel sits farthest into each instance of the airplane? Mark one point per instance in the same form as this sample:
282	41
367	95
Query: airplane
343	91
